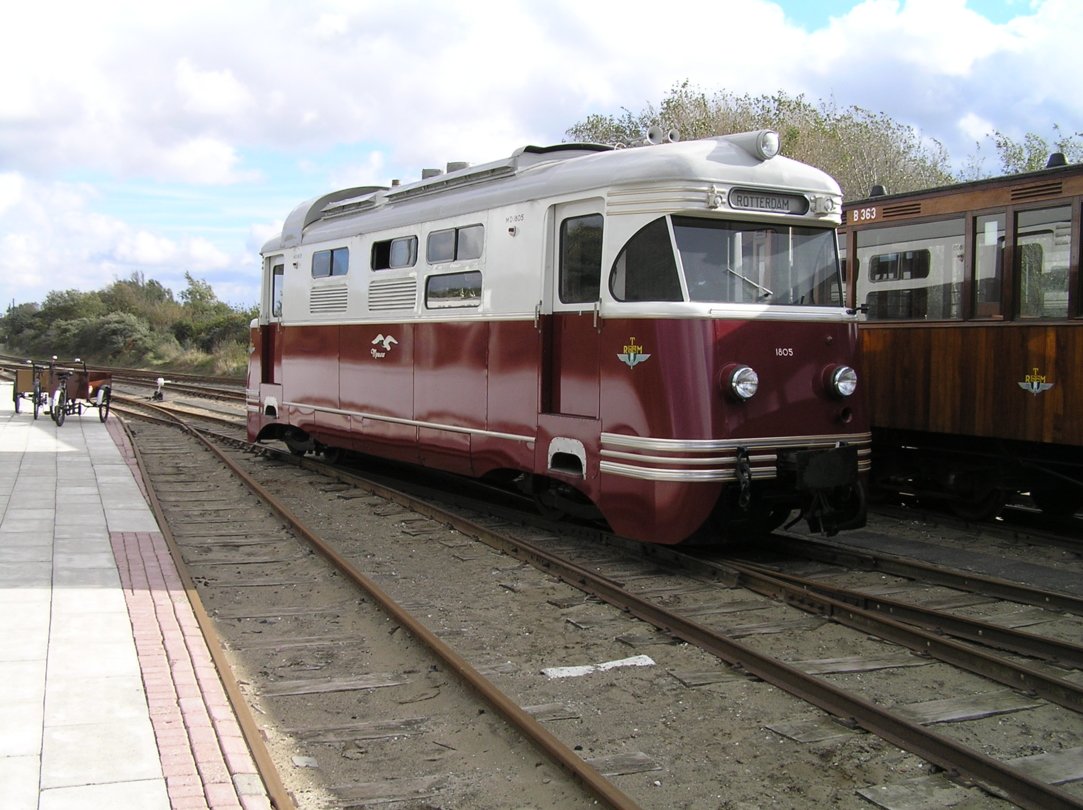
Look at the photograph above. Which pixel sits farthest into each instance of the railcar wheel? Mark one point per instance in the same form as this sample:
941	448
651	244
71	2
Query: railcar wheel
1058	502
978	506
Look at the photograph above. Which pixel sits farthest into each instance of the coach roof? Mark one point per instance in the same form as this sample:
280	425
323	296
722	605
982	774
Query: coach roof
533	173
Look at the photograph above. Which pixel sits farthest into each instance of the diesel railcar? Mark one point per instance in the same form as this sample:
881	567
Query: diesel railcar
972	336
652	336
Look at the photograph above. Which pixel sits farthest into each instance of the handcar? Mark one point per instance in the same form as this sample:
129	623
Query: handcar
32	383
973	339
655	337
76	388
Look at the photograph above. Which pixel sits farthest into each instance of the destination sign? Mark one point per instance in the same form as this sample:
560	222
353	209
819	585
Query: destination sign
753	200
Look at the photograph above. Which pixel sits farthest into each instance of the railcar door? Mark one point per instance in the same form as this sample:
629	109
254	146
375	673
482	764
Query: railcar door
270	343
570	333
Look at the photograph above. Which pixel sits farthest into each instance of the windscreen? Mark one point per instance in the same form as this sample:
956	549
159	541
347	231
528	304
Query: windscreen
755	263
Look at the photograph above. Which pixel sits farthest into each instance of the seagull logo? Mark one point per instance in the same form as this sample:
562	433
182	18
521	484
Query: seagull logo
386	341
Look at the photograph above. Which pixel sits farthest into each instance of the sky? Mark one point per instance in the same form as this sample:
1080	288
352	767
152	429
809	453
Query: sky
170	138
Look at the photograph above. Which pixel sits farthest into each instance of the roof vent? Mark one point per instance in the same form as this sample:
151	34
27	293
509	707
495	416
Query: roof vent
1055	160
878	191
456	165
427	174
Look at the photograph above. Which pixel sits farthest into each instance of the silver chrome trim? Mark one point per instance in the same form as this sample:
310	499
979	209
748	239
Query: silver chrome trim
714	445
686	457
412	422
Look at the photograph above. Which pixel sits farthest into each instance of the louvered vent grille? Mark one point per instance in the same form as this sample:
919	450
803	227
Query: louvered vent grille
399	293
1036	192
901	210
322	300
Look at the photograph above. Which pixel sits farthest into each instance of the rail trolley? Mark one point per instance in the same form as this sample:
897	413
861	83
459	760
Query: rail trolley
973	338
655	336
32	383
74	388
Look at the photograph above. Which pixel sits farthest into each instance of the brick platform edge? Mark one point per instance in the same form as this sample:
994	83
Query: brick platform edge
205	760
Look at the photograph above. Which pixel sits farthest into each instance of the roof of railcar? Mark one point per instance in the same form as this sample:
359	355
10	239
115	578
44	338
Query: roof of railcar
991	190
532	173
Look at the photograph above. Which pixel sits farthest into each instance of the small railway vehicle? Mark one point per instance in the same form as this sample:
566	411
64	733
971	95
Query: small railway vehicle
32	383
652	336
74	388
973	338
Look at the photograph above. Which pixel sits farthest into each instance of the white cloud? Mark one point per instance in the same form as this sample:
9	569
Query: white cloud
261	105
211	92
11	190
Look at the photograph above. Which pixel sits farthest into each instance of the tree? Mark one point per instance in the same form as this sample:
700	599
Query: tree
200	302
856	146
1032	153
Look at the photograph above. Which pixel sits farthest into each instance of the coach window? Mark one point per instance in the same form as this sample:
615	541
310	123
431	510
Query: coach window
453	290
390	254
988	265
645	269
1043	241
277	277
335	262
580	259
912	272
455	244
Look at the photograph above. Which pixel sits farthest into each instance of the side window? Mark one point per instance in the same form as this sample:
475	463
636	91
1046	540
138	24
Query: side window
277	278
912	272
580	259
455	244
335	262
453	290
988	269
390	254
1043	246
645	269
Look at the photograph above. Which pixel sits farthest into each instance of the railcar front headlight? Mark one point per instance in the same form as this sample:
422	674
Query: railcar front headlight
742	382
843	381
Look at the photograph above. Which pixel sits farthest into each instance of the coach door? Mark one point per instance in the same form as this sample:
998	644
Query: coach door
570	382
270	332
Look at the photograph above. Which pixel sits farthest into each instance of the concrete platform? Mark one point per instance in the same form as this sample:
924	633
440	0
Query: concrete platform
108	694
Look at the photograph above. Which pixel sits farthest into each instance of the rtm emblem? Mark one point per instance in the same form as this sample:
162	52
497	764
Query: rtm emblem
380	340
633	354
1035	383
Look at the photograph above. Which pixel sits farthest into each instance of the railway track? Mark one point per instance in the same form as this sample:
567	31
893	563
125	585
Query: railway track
711	612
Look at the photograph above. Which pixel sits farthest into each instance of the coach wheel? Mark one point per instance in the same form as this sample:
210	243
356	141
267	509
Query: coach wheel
298	442
1057	501
979	505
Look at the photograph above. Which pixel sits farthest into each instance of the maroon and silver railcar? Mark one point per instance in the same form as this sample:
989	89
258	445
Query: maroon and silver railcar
656	336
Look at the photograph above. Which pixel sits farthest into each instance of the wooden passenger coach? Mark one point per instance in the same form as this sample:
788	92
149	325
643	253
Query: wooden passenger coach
655	336
973	337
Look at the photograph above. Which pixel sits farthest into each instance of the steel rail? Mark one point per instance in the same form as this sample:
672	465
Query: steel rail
991	635
922	641
591	779
824	551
